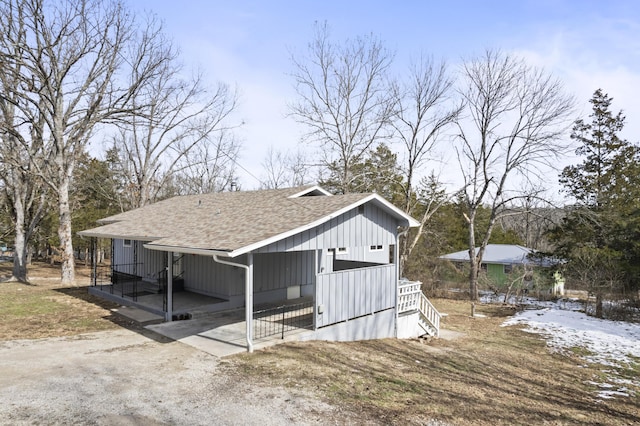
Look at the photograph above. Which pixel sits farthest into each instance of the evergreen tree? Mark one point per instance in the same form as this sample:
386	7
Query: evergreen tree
377	172
596	235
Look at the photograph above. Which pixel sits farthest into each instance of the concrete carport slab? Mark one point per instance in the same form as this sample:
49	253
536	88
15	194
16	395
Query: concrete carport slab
220	334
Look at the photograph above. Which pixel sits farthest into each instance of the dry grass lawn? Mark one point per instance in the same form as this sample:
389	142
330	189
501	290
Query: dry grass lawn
491	376
45	308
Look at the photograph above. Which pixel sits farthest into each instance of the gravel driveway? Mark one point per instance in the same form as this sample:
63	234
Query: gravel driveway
125	378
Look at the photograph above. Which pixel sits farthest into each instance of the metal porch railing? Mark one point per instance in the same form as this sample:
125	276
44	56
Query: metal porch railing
113	279
279	320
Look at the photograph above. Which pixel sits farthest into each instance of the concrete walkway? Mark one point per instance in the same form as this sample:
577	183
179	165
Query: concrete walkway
220	334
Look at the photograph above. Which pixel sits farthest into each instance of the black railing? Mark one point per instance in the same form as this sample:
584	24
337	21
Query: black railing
119	279
279	320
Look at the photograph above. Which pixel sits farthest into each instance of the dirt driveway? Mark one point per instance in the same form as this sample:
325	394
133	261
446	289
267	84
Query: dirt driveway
121	377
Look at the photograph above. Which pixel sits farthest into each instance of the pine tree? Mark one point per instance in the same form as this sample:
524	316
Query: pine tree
594	236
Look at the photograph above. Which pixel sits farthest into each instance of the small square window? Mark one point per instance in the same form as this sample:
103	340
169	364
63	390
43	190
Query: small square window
375	247
508	269
126	243
339	250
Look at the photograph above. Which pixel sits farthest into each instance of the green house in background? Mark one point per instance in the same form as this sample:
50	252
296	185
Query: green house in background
499	261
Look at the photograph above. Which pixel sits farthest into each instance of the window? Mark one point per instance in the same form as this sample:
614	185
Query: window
126	243
339	250
375	247
508	269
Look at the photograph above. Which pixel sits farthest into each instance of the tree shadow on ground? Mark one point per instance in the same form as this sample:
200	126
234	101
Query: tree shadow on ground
81	294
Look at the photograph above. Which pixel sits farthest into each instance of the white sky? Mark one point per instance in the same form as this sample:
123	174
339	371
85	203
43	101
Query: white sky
588	44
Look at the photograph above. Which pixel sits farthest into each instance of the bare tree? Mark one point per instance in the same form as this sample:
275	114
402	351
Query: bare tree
423	110
177	116
81	63
531	217
23	192
283	169
518	115
344	98
207	167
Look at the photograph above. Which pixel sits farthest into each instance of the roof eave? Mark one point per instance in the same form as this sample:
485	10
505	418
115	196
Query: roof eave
243	250
187	250
90	233
310	189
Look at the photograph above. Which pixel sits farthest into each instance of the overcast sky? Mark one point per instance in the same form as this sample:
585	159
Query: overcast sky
587	44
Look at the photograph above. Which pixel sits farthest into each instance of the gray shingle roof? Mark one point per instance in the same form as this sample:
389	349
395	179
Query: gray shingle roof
227	221
505	254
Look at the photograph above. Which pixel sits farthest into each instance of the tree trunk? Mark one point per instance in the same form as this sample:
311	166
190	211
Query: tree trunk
473	280
598	305
473	260
19	272
64	233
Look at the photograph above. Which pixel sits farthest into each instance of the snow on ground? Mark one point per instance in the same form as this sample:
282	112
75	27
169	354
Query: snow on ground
613	344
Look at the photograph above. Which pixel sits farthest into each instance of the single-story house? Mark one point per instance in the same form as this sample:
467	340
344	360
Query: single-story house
328	263
499	260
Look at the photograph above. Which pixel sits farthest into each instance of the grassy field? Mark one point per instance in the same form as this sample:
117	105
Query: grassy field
45	308
491	375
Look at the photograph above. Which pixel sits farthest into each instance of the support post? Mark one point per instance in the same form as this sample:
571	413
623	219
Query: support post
169	313
249	301
94	261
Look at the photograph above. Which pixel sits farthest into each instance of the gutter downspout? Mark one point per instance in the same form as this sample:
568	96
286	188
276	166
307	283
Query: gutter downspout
397	260
248	293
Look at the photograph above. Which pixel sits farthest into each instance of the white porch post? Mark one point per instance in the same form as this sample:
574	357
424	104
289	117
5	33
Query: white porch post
249	301
169	313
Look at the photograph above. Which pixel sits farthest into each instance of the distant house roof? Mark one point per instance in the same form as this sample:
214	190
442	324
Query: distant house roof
503	254
234	223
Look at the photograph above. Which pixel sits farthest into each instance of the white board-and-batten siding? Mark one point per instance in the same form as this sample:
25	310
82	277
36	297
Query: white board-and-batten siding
353	293
272	271
350	229
137	260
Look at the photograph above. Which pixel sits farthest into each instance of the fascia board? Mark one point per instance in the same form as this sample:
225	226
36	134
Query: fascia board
282	236
310	189
88	233
186	250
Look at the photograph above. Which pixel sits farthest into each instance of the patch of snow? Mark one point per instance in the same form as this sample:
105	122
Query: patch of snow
611	394
570	304
614	344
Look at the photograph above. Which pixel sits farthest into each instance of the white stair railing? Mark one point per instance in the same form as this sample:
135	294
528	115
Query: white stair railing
411	298
430	313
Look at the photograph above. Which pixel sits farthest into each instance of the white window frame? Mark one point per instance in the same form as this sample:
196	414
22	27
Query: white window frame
124	243
376	247
338	250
